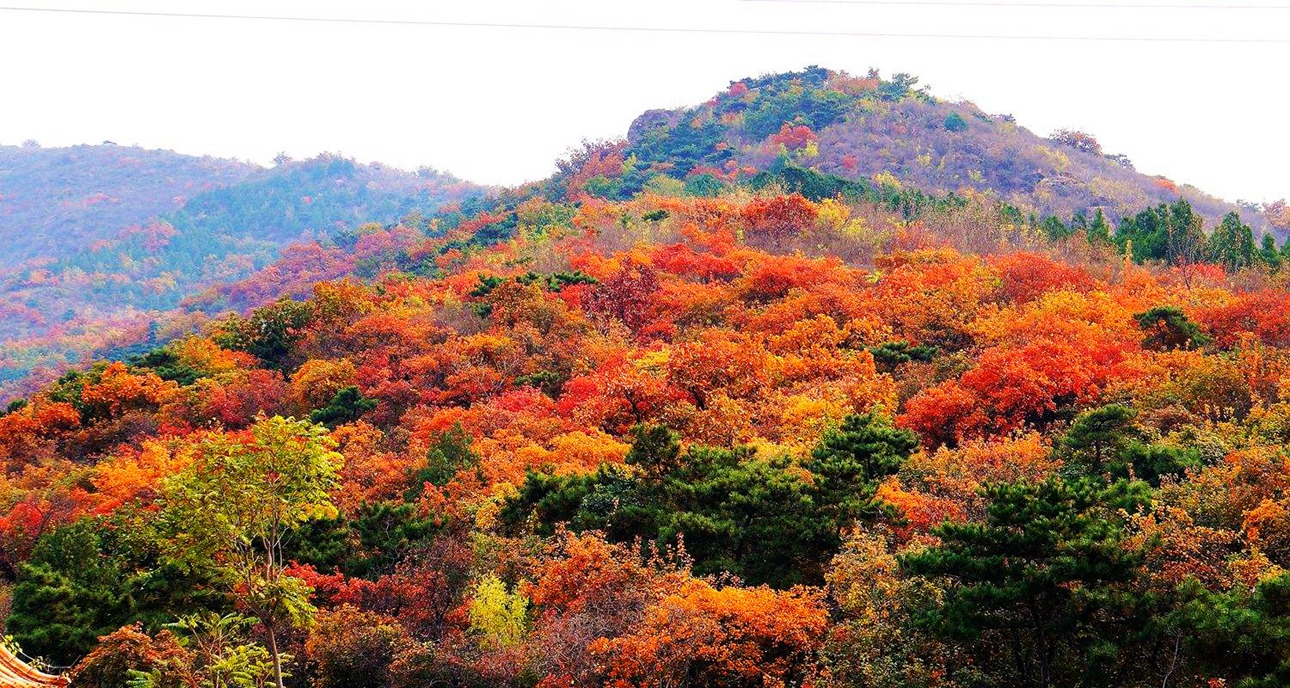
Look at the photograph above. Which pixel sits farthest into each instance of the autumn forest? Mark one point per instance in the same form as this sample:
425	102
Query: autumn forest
822	383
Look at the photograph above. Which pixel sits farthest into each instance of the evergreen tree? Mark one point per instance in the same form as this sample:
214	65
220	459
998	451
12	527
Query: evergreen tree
655	449
1151	462
450	453
736	512
1168	328
1268	252
1099	231
89	578
346	406
1096	435
1079	221
1041	591
849	463
1171	233
1054	228
755	518
67	595
1232	244
270	333
890	355
1241	635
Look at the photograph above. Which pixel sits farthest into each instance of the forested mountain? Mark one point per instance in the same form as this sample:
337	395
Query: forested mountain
144	230
56	201
650	423
109	275
892	133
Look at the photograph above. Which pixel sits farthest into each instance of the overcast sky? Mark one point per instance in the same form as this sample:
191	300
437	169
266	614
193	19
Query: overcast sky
498	105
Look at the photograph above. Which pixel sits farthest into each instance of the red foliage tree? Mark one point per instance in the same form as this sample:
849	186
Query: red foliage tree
1025	276
628	296
778	218
793	137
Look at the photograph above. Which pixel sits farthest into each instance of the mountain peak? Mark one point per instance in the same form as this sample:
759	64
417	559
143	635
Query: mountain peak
891	131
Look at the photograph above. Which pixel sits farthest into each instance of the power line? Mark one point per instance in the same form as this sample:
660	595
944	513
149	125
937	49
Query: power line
645	29
1025	4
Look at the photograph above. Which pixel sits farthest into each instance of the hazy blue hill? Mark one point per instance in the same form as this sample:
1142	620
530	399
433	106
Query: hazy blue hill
101	274
218	235
316	196
54	201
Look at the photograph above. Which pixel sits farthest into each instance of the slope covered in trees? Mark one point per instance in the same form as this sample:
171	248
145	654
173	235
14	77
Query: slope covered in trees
747	440
171	226
143	230
785	429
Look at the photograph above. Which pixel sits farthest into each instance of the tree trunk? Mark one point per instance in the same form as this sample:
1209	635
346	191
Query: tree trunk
273	653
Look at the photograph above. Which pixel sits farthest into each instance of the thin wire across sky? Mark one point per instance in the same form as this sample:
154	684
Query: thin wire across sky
691	30
1026	5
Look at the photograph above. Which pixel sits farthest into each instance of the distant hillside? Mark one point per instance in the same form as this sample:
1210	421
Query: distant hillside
226	233
56	200
89	278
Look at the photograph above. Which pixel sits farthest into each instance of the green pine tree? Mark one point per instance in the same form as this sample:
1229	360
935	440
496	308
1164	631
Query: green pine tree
849	463
1041	591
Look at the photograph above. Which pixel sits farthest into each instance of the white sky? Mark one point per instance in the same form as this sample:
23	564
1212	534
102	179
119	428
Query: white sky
498	105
